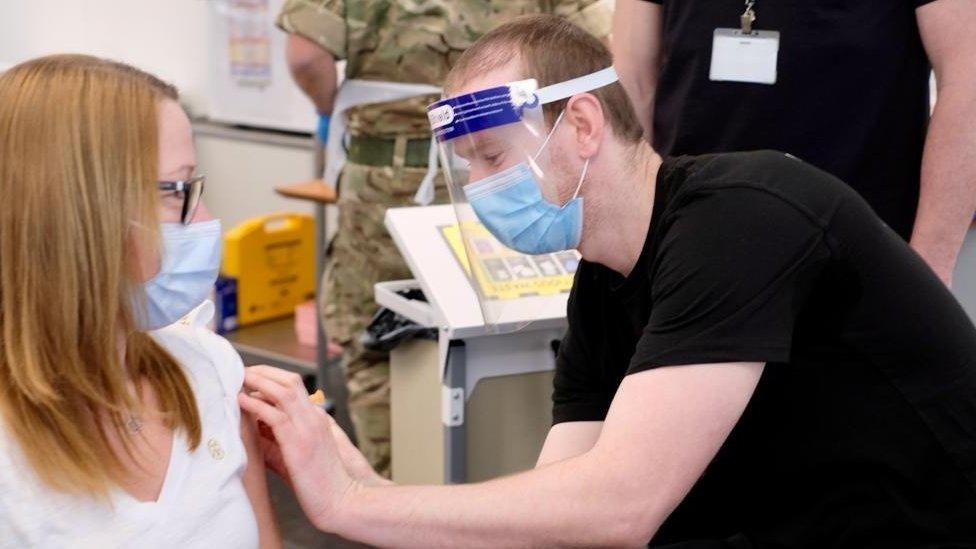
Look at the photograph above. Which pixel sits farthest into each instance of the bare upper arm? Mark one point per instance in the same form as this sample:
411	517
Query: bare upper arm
256	485
946	30
636	42
314	70
665	425
304	54
636	46
567	440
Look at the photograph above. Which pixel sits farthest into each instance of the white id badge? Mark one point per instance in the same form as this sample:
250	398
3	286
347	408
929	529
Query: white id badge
738	57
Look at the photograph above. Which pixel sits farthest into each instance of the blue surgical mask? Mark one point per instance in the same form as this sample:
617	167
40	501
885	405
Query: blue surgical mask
188	270
511	206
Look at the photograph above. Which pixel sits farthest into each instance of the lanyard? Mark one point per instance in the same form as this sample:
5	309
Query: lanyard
748	17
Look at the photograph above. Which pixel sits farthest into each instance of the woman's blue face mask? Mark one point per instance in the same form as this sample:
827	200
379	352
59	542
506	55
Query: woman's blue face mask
511	206
189	267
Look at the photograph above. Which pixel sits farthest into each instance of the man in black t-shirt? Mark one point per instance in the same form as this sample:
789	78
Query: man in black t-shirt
847	91
753	360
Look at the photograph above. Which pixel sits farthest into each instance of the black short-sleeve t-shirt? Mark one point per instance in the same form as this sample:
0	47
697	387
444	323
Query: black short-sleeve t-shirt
851	96
862	430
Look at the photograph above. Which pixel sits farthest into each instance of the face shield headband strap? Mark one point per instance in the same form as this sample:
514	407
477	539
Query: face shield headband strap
489	108
569	88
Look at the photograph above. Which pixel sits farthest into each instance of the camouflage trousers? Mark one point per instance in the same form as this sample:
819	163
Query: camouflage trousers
362	253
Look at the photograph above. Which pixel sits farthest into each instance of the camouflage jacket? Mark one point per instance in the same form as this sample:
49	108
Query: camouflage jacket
414	41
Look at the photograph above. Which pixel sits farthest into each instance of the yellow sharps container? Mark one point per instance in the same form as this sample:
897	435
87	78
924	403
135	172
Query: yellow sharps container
272	259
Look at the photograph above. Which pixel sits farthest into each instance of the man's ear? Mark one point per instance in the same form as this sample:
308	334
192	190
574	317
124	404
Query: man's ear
584	113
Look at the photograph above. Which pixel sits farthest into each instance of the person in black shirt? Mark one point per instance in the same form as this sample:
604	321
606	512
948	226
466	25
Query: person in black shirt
851	96
753	360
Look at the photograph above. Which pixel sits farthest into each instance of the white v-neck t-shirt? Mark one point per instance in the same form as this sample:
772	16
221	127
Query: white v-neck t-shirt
202	502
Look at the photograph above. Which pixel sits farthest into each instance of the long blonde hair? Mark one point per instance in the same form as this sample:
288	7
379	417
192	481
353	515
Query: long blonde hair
78	167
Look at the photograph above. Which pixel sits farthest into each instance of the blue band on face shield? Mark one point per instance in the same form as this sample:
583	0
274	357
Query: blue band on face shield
484	109
481	110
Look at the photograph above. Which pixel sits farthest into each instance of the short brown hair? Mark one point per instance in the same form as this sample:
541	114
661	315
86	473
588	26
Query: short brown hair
551	50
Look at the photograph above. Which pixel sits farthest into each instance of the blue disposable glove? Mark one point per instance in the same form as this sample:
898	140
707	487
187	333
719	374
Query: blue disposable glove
322	132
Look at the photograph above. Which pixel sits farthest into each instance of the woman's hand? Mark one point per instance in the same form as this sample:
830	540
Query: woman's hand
301	445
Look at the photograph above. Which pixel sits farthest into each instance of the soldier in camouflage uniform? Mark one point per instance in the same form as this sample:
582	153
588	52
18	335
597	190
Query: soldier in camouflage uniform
413	41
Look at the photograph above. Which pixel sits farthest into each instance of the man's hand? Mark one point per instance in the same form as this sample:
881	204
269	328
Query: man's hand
355	462
617	493
299	442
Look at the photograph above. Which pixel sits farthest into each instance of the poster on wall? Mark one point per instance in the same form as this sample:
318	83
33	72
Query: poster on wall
249	42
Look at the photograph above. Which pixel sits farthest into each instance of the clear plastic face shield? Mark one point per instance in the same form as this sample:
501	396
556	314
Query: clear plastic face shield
519	216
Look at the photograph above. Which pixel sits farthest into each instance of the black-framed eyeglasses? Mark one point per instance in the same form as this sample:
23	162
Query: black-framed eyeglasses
189	190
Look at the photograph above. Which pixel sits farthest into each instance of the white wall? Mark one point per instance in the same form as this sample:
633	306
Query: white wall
241	176
185	42
166	37
170	39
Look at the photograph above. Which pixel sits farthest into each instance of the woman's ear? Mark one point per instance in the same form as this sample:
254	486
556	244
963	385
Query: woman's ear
584	113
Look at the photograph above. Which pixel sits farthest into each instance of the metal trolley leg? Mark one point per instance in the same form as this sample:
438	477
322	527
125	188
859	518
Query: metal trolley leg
452	412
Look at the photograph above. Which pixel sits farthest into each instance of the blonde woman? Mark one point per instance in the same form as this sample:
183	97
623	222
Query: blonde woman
116	429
